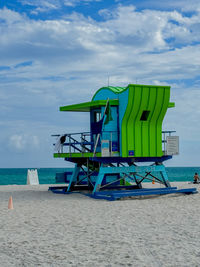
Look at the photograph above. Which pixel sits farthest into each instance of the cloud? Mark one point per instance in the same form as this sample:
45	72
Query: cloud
48	5
181	5
45	6
77	40
73	3
42	6
130	44
17	141
9	17
21	142
49	63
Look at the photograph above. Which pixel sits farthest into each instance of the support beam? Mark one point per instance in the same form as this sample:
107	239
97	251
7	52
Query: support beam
136	170
99	180
165	178
74	176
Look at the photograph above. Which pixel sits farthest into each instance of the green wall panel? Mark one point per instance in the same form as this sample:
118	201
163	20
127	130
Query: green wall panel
144	137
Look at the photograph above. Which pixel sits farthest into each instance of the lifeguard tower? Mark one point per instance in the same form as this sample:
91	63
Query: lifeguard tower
124	147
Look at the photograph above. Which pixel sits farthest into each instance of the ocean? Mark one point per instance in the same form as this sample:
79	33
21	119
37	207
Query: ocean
47	175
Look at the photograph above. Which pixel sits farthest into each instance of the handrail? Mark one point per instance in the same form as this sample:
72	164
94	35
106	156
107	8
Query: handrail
56	135
80	142
89	133
168	131
85	142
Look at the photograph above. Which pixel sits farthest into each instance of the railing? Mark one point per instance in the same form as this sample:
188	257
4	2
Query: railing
75	142
106	143
86	142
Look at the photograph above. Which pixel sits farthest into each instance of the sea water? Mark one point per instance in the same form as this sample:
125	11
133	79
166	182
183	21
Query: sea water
19	175
47	175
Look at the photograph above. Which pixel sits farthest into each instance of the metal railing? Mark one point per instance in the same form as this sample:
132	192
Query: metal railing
89	142
73	143
84	142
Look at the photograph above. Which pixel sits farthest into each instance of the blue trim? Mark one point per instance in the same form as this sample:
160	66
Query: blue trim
115	195
118	130
107	192
122	160
143	192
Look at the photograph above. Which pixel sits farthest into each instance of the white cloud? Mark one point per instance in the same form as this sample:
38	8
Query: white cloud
17	142
9	17
77	51
73	3
127	30
21	142
130	44
183	5
48	5
77	40
72	57
42	6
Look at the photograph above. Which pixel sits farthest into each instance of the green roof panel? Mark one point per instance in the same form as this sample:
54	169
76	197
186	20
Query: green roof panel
87	106
171	105
119	90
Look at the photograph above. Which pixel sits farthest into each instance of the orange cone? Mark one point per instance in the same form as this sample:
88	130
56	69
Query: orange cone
10	203
153	181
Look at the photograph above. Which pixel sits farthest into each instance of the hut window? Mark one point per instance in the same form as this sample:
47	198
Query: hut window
97	116
145	115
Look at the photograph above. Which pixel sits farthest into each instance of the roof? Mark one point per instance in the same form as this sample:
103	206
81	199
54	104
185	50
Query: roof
119	90
115	89
87	106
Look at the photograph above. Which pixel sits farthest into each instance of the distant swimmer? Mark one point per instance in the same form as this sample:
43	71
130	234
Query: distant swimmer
196	178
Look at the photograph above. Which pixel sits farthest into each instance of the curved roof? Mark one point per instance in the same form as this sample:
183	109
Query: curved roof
119	90
114	89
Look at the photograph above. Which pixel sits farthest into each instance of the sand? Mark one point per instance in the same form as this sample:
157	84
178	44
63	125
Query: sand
47	229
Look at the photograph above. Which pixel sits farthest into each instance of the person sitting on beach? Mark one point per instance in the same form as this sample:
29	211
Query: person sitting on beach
196	178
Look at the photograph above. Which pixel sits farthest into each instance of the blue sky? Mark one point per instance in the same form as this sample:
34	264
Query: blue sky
54	53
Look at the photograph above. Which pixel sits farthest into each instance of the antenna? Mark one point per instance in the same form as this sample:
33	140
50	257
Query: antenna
108	80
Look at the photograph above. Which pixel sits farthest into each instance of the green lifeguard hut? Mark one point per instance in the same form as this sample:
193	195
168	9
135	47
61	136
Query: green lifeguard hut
125	130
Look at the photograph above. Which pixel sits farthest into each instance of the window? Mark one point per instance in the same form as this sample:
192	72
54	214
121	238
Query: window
145	115
97	116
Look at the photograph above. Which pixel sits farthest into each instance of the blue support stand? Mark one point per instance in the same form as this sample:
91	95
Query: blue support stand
165	178
133	174
127	182
99	180
73	177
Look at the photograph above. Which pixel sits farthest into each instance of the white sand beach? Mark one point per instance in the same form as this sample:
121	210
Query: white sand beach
47	229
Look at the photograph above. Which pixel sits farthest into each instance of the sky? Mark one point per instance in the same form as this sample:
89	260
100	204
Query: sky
60	52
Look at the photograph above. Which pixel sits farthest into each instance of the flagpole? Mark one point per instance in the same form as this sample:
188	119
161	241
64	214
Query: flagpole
97	140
